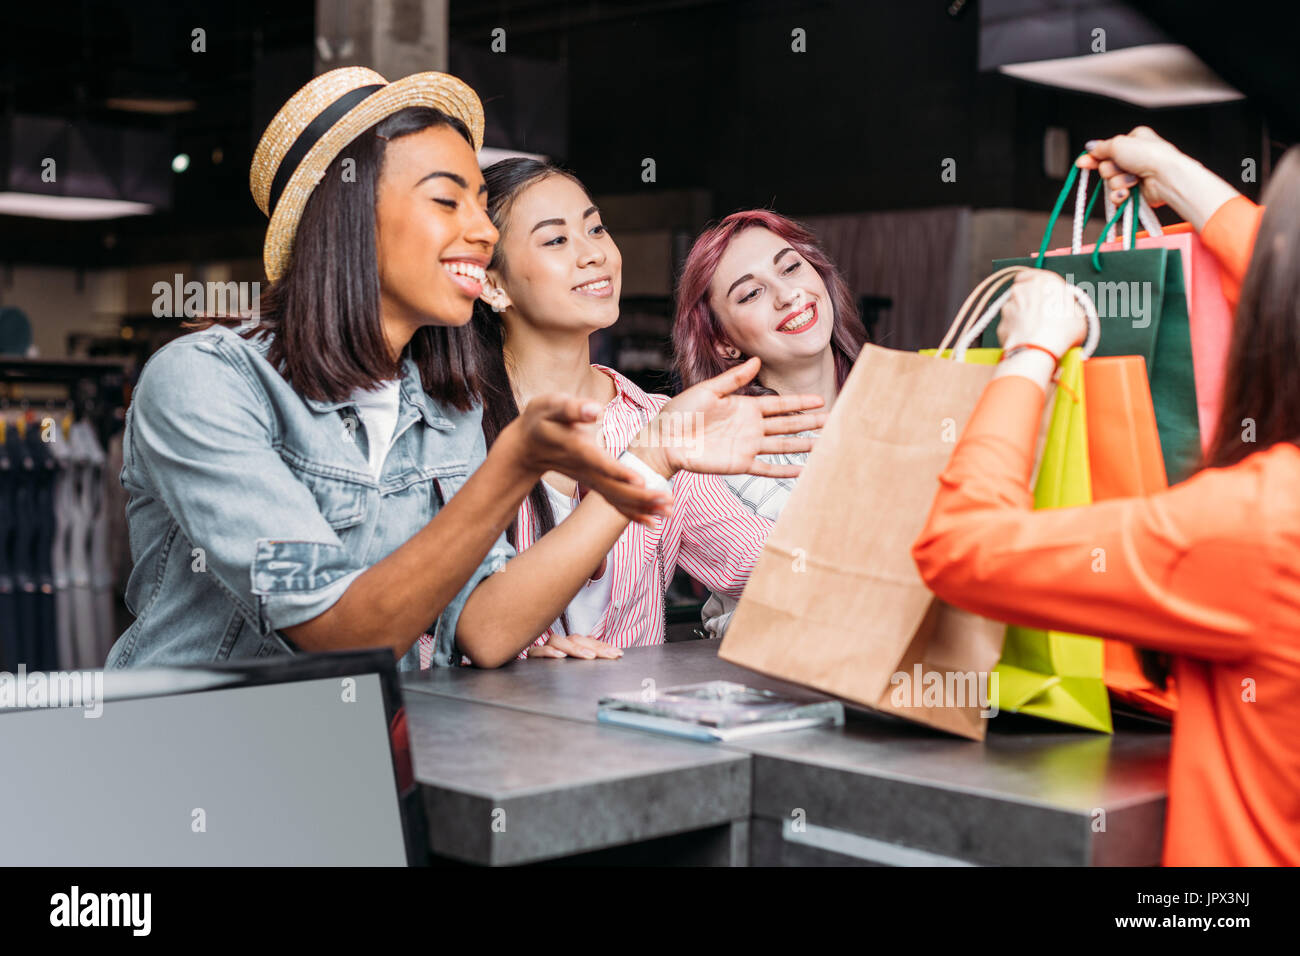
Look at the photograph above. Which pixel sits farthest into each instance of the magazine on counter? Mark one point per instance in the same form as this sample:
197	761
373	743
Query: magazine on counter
718	710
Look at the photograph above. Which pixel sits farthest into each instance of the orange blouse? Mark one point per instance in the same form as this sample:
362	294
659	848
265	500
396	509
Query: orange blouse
1208	570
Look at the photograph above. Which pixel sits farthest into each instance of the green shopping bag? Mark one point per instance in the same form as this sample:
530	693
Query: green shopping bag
1052	674
1141	299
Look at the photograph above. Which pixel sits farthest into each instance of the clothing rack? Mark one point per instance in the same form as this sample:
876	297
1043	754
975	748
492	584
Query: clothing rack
96	387
57	502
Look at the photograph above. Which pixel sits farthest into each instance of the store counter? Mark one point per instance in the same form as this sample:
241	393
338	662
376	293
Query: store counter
876	791
504	786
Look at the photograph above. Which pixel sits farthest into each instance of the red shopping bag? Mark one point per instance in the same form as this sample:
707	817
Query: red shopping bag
1124	459
1209	317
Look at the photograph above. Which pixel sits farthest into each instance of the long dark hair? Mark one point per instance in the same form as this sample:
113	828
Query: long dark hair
323	312
1261	389
506	180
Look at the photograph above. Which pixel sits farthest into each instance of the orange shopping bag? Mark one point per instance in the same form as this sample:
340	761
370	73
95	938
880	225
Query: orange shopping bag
1125	460
1209	318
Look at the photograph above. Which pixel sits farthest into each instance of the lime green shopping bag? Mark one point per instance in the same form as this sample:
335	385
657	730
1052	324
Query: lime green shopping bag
1049	673
1052	674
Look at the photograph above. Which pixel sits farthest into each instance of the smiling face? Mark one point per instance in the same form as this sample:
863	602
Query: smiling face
433	235
770	301
560	269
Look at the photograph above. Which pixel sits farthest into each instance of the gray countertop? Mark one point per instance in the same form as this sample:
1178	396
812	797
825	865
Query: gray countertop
1031	793
570	688
502	786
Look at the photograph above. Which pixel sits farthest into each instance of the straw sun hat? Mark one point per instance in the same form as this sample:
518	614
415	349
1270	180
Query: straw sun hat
319	121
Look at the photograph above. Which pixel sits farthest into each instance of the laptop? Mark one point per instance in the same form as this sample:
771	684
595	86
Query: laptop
290	761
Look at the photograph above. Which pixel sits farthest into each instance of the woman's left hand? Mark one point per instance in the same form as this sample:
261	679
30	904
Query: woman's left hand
707	429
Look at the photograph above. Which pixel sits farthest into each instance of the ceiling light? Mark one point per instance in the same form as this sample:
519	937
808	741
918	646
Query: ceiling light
156	105
40	206
1152	76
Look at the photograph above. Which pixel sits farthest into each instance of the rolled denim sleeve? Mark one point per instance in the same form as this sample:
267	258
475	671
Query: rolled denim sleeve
206	436
446	653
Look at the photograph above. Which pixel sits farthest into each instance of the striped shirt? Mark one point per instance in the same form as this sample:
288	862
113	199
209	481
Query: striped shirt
765	497
711	535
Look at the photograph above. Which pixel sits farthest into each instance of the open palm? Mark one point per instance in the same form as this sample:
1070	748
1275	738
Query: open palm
708	429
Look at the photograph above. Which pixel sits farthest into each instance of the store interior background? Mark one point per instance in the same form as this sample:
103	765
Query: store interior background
852	135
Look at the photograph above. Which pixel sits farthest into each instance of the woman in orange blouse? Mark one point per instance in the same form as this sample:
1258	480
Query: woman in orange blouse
1208	570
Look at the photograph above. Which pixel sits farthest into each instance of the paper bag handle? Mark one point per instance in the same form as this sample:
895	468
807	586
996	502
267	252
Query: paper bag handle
983	291
1090	342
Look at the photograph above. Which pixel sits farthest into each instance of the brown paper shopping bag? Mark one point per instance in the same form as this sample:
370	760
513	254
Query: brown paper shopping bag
835	601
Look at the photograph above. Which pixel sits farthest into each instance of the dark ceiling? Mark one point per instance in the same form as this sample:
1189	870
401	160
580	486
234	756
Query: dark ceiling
709	88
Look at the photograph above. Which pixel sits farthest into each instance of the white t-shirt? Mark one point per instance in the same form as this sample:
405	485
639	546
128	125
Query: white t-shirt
588	605
378	411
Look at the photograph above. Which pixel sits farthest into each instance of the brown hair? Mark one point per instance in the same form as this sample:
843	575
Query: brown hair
1261	389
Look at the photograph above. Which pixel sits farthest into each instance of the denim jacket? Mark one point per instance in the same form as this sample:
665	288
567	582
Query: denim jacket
253	509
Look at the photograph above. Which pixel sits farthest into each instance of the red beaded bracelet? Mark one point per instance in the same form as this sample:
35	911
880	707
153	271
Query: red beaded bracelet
1056	359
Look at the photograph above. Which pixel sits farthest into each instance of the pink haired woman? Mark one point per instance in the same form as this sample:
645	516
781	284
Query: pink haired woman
759	284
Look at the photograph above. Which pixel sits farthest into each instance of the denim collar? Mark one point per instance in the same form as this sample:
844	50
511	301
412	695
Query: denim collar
411	387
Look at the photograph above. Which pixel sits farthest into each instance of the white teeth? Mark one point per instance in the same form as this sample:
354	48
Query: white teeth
456	268
798	322
597	285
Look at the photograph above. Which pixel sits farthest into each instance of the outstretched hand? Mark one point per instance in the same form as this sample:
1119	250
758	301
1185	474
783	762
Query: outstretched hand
708	429
557	434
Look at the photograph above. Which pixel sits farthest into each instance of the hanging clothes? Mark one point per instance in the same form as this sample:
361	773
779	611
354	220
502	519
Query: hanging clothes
9	646
119	542
87	623
101	570
58	541
65	501
39	438
23	543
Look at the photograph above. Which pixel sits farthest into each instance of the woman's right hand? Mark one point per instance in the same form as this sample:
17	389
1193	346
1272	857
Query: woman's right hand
1167	174
1042	312
555	432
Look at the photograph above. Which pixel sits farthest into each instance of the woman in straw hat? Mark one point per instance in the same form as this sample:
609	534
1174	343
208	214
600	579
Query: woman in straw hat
291	482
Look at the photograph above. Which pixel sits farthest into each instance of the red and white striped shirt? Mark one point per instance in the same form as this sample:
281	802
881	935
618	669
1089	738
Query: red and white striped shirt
711	535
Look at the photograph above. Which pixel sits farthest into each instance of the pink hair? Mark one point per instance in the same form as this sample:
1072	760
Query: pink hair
697	331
